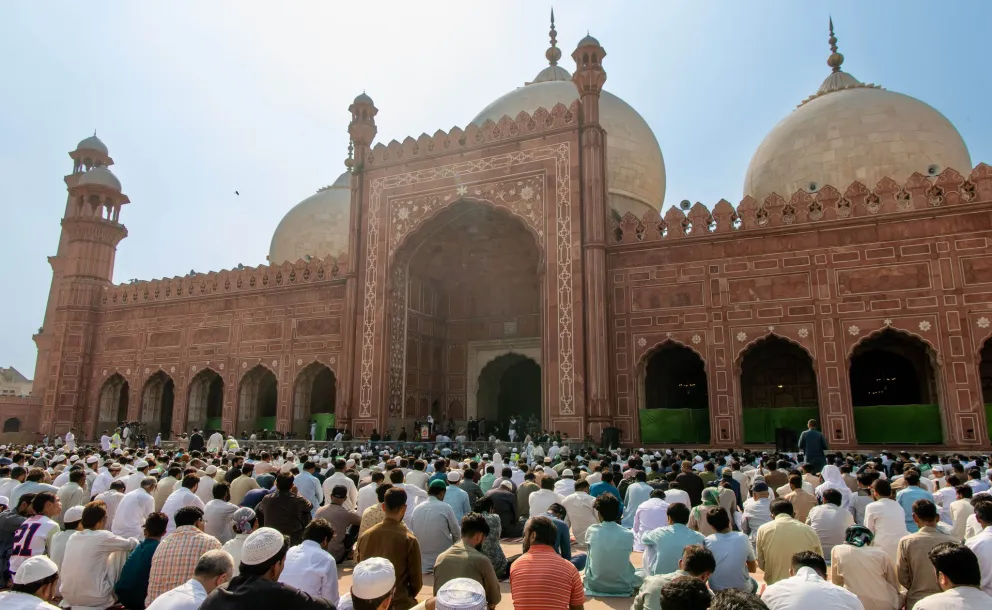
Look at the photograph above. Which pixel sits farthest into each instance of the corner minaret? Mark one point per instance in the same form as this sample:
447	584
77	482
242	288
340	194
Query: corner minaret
82	269
589	78
362	131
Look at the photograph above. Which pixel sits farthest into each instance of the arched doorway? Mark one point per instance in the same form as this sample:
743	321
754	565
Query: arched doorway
206	401
314	396
778	390
465	282
894	390
985	375
157	399
12	425
510	386
675	399
114	399
258	400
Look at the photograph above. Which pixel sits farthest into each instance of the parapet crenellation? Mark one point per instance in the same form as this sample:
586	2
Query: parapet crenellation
949	188
228	281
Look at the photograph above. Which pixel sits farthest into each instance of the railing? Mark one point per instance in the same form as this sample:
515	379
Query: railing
410	447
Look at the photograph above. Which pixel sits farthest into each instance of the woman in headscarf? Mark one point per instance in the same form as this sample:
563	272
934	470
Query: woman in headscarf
697	518
833	479
245	522
865	570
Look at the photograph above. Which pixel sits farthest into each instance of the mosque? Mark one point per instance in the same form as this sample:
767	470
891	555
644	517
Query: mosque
523	266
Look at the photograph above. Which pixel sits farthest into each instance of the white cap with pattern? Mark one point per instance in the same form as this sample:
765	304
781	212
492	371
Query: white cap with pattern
373	578
262	545
34	569
461	594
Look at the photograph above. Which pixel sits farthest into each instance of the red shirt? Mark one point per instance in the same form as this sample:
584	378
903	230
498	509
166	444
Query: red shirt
531	574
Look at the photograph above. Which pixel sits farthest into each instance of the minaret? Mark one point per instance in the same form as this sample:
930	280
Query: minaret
589	78
362	130
82	269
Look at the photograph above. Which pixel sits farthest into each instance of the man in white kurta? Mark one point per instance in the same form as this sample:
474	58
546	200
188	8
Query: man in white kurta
129	520
215	442
809	589
70	441
340	478
886	519
91	566
637	493
184	496
650	515
311	569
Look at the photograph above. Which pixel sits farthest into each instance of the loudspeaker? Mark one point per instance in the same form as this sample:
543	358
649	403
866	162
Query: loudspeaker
786	439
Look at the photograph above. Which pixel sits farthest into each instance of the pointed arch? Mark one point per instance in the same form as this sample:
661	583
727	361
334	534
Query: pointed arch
114	398
932	349
258	398
667	342
509	384
778	389
314	398
673	394
771	334
205	400
157	400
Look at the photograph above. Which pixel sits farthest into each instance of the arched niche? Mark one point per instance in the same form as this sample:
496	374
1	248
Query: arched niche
157	399
114	399
314	396
205	405
674	396
258	399
778	389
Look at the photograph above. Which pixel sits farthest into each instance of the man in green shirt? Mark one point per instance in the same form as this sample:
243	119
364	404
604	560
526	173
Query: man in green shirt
697	561
132	586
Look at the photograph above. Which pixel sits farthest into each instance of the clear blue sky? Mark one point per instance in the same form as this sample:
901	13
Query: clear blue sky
198	99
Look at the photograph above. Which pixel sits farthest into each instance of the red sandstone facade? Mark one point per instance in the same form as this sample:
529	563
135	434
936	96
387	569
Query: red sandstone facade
396	317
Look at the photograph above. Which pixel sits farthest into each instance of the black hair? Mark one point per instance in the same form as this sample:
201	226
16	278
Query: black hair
678	513
882	487
782	507
394	499
718	518
484	504
698	560
190	481
76	476
284	482
958	563
735	599
925	510
658	493
685	593
545	531
41	499
93	514
156	524
380	491
833	496
474	523
608	507
221	491
810	559
188	515
547	483
318	530
369	604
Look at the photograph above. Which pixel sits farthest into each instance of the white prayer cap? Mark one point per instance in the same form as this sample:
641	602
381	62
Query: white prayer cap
140	464
349	463
698	459
454	476
34	569
211	470
461	594
4	501
262	545
668	452
373	578
92	459
287	467
507	485
567	473
73	514
114	466
73	458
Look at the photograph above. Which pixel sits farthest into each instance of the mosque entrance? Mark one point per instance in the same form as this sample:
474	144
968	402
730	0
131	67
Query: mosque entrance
985	375
468	277
258	400
778	389
114	400
157	400
313	400
206	401
675	399
510	387
894	390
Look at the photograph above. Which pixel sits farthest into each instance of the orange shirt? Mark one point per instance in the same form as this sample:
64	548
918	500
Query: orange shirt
531	574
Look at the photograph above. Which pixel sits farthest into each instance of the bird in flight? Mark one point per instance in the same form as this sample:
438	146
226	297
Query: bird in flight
237	193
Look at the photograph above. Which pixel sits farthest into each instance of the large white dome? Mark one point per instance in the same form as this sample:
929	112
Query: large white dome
635	168
317	226
850	131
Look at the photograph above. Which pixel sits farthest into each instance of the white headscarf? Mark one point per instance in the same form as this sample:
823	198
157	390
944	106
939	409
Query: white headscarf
833	479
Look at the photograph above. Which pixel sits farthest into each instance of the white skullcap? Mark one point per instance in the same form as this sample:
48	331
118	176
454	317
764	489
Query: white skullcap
92	459
567	473
507	484
140	464
373	578
461	594
349	463
34	569
211	470
454	476
114	466
73	514
668	452
73	458
697	459
4	501
261	545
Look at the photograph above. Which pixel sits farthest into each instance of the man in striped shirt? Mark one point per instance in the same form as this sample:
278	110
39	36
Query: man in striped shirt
540	565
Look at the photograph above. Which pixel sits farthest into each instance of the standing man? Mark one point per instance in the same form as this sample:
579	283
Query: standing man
196	441
70	440
814	445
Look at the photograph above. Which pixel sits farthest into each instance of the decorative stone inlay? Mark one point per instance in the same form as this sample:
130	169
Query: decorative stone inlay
771	329
221	366
803	333
668	335
192	369
299	362
244	365
642	342
741	337
172	370
888	321
104	372
924	326
333	360
983	322
516	204
853	330
696	339
397	334
275	363
129	371
147	370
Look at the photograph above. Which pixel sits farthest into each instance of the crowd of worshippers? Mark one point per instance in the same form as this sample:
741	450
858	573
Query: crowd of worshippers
227	528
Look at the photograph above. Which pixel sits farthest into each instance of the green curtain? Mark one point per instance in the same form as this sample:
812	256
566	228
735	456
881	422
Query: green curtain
760	422
684	426
264	423
898	424
213	423
324	421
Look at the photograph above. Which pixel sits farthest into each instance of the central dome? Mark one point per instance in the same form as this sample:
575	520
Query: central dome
315	227
635	169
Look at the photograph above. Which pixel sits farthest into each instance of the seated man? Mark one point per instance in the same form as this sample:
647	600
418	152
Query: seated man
650	515
733	553
960	578
808	587
608	568
696	561
663	546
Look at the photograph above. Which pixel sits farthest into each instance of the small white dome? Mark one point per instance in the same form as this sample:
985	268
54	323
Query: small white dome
100	176
635	167
317	226
92	143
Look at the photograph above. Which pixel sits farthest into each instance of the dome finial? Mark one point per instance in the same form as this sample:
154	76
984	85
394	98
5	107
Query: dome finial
836	59
553	53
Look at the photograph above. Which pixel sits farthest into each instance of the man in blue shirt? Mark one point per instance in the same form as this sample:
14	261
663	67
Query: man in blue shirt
814	445
606	486
563	543
663	546
911	494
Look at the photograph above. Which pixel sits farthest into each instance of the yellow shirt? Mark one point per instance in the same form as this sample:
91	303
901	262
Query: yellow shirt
780	539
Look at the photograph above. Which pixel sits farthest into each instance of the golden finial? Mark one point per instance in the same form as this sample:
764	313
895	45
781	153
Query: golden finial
836	59
553	53
349	162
